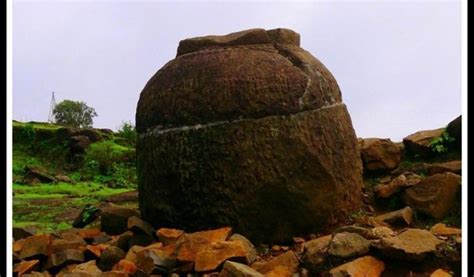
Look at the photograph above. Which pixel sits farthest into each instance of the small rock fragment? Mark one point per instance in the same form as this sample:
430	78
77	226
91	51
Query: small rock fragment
345	245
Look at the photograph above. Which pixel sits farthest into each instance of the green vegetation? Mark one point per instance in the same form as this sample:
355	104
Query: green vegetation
441	143
74	113
106	168
128	133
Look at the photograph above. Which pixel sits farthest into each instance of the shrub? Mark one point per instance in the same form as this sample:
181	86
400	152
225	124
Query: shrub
441	143
128	132
103	155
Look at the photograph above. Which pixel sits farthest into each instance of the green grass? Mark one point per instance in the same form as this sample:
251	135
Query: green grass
61	189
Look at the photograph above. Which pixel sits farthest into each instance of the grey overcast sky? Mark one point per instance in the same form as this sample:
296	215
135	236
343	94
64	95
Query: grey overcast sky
398	63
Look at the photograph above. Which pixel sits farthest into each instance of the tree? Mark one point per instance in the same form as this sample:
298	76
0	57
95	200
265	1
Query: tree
74	113
128	132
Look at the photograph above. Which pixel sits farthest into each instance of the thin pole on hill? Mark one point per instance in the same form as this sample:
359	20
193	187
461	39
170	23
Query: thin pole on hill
51	118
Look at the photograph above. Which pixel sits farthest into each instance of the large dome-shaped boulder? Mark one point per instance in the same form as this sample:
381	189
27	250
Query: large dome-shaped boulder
246	130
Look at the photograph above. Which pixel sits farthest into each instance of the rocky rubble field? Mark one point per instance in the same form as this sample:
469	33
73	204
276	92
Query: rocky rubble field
409	226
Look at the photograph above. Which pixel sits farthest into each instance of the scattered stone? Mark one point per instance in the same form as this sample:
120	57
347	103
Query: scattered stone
380	232
346	245
35	175
279	271
63	178
35	246
440	229
58	245
387	190
419	142
21	233
140	239
434	195
114	274
139	226
26	267
89	234
65	257
380	154
402	217
287	259
110	257
233	269
314	252
411	245
125	266
249	247
87	216
440	273
366	266
211	258
37	274
95	250
123	239
101	239
451	166
276	248
188	245
132	253
352	229
169	236
114	219
88	267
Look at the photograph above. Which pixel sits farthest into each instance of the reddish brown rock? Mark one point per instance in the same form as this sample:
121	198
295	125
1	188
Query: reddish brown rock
278	117
440	229
89	267
440	273
138	226
233	269
314	252
190	244
213	257
26	267
125	266
65	257
114	219
35	246
346	245
380	154
366	266
110	257
89	234
411	245
451	166
419	142
251	252
396	184
287	260
21	233
435	195
402	217
168	235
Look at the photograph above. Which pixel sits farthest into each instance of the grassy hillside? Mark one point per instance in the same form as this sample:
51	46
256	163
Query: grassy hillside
88	166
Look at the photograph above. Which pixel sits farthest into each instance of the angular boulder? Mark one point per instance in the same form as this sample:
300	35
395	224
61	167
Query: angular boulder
366	266
380	154
435	195
419	142
410	245
114	219
246	130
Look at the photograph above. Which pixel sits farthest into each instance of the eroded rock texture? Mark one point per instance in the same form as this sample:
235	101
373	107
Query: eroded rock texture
247	130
